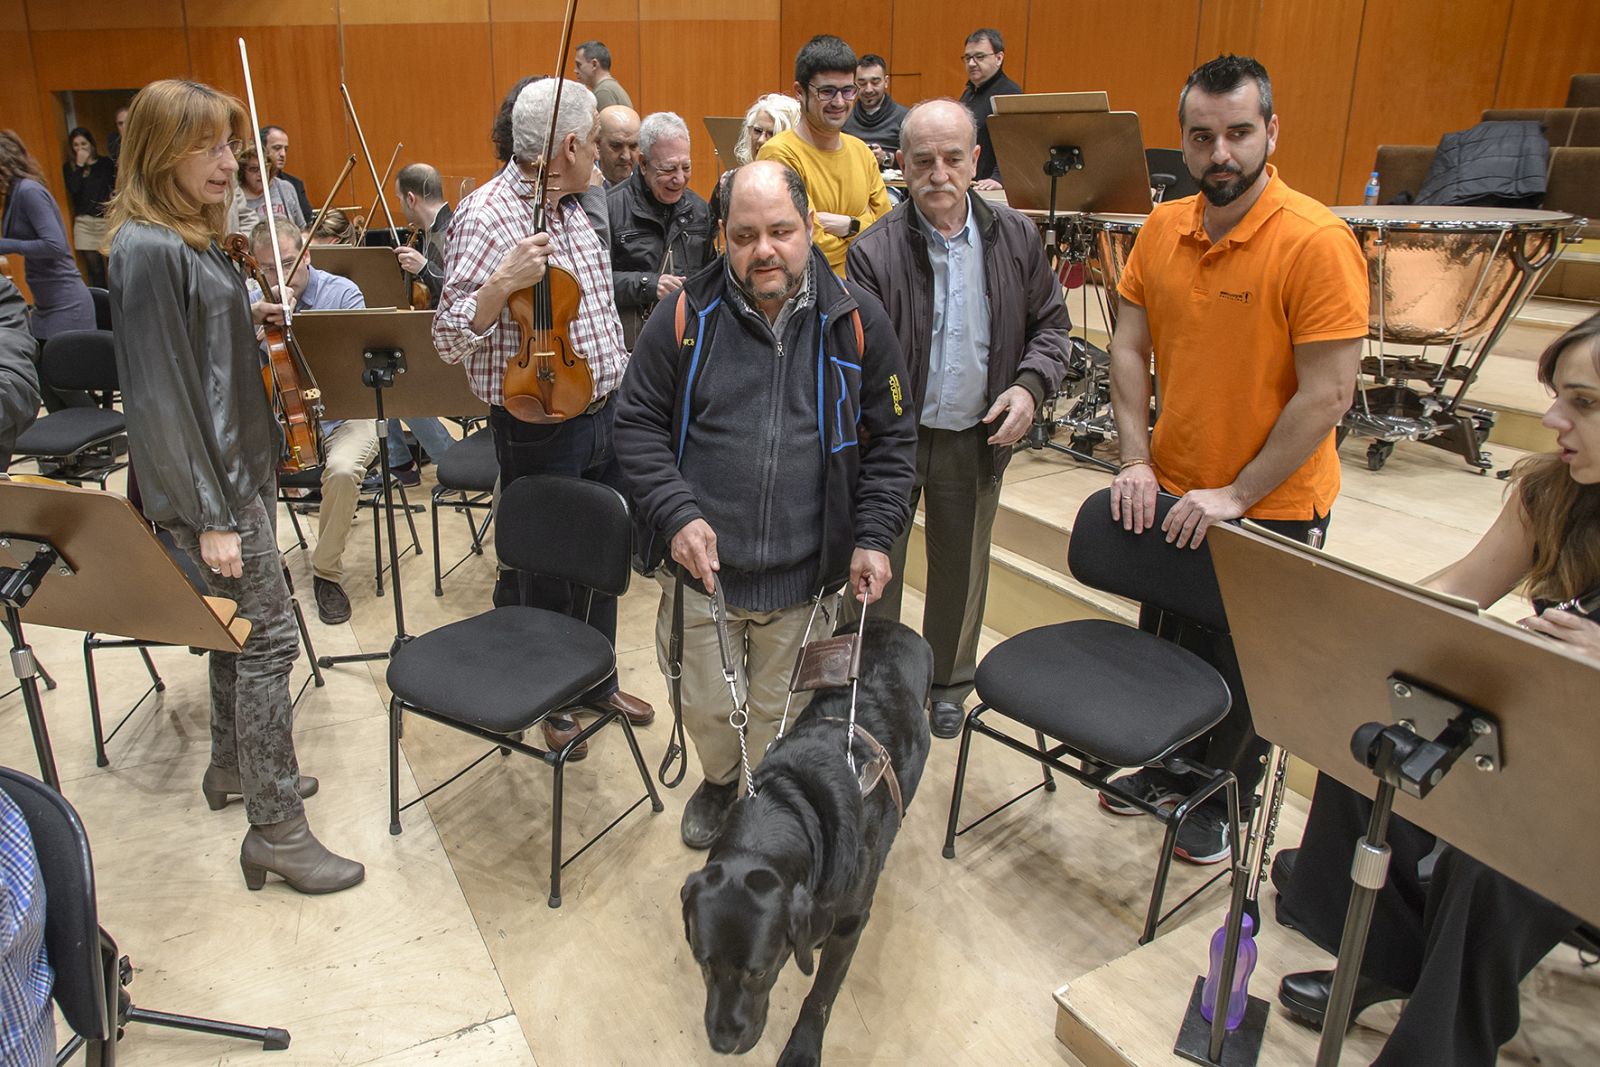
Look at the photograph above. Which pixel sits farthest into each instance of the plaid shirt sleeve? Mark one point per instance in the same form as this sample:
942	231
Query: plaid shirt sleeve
27	1024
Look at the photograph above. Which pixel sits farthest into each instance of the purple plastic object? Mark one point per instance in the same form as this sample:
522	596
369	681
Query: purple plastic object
1240	995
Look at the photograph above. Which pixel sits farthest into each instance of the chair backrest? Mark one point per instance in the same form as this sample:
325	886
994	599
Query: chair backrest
1586	129
1557	121
72	924
1574	185
566	528
1144	567
102	307
80	359
1164	163
1584	90
1402	168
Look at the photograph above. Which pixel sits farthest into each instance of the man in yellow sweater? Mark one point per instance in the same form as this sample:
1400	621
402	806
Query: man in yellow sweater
840	173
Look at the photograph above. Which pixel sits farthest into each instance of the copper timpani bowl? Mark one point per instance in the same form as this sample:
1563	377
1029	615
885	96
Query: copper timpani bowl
1442	275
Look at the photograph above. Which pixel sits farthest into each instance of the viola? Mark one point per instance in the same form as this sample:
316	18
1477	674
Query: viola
421	299
291	387
548	380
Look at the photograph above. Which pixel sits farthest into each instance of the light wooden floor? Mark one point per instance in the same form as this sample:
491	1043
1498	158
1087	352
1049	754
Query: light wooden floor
448	954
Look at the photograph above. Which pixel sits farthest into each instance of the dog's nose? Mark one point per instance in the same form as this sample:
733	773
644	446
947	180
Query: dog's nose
723	1039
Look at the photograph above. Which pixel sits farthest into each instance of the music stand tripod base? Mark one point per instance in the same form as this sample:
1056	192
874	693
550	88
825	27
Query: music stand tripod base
1243	1045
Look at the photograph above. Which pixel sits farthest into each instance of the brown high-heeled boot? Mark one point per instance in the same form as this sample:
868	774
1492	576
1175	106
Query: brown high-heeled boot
289	850
221	784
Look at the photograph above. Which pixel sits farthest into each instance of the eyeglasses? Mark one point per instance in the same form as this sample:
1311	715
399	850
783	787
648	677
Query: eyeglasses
828	93
973	57
233	147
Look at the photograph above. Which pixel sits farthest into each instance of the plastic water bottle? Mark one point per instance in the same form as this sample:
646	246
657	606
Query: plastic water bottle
1372	190
1239	996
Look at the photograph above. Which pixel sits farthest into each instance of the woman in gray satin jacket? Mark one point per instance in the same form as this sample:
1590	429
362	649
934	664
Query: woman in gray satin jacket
205	448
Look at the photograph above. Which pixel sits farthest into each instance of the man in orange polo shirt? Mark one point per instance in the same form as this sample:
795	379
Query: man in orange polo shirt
1254	298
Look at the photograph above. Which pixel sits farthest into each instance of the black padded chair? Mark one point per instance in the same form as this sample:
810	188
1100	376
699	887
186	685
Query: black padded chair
94	642
102	308
291	493
89	971
77	444
1110	695
467	474
1169	173
499	674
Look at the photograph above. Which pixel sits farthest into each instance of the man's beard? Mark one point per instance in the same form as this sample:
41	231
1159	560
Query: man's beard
791	280
1228	192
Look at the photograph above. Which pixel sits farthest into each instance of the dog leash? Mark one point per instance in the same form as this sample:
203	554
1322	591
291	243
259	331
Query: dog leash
677	744
739	717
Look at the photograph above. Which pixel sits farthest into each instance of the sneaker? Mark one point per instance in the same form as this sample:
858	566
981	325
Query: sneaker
1203	837
333	607
408	475
1151	785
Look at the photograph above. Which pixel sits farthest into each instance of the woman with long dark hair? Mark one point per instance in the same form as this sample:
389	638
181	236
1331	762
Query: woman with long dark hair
90	179
205	447
31	227
1458	942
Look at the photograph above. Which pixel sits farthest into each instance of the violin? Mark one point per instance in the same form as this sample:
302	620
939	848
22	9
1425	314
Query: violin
548	380
290	385
421	299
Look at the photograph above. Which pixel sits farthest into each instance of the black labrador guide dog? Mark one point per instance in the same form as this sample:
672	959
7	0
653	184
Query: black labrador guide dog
796	866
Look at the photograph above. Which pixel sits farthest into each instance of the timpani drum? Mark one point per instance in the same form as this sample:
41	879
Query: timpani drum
1442	276
1111	237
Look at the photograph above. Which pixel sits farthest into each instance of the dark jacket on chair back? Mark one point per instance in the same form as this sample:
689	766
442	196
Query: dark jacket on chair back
796	450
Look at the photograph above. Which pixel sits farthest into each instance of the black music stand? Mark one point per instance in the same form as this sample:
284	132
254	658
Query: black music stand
1068	162
84	559
401	376
1339	661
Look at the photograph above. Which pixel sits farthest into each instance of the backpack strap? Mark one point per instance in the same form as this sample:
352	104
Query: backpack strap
861	337
680	318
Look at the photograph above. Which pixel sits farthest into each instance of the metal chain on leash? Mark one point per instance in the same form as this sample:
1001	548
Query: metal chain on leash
855	688
739	717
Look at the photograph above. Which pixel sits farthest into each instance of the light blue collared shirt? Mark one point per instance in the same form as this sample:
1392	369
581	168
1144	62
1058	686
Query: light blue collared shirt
958	358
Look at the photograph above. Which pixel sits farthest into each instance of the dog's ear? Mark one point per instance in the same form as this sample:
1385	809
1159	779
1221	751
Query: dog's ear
808	925
691	889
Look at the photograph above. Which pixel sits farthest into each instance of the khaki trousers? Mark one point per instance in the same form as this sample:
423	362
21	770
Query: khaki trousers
765	644
956	483
351	448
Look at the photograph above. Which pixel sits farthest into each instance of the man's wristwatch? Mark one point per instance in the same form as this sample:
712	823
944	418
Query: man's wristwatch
855	227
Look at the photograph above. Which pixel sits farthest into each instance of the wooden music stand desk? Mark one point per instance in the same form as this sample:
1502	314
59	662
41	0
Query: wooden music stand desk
1326	649
113	576
724	133
1113	178
334	343
375	270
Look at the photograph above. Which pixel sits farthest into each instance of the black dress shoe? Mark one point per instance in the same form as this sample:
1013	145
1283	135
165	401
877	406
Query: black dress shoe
1306	995
333	607
706	811
945	718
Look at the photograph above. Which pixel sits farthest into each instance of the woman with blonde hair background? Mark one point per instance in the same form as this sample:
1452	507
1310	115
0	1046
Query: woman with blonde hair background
205	449
769	116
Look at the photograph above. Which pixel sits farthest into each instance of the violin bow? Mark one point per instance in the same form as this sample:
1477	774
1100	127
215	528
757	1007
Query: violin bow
305	246
373	210
542	183
371	167
284	292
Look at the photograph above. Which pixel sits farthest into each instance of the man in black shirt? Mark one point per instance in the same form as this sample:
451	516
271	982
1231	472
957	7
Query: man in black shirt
985	58
876	118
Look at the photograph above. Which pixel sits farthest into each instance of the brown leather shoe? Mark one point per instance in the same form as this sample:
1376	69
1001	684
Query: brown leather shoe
638	711
219	786
289	850
558	730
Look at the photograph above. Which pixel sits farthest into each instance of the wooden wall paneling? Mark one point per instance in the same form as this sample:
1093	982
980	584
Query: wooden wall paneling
1424	69
1309	48
740	36
1227	26
522	48
1549	41
865	27
426	85
1139	54
21	110
929	36
100	15
296	74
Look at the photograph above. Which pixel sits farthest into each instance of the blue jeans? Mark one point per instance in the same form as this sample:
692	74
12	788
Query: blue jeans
430	434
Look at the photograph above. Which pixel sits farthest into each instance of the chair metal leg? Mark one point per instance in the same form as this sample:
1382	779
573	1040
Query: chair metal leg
305	639
1044	747
1158	890
638	761
100	758
294	520
960	783
394	766
405	506
433	518
559	766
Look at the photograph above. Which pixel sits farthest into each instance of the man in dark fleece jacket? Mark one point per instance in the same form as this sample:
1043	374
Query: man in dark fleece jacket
765	437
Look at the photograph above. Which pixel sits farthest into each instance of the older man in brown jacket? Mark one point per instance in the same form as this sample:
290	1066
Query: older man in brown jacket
984	329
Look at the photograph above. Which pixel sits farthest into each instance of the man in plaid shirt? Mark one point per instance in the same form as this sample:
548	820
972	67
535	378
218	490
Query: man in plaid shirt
492	252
